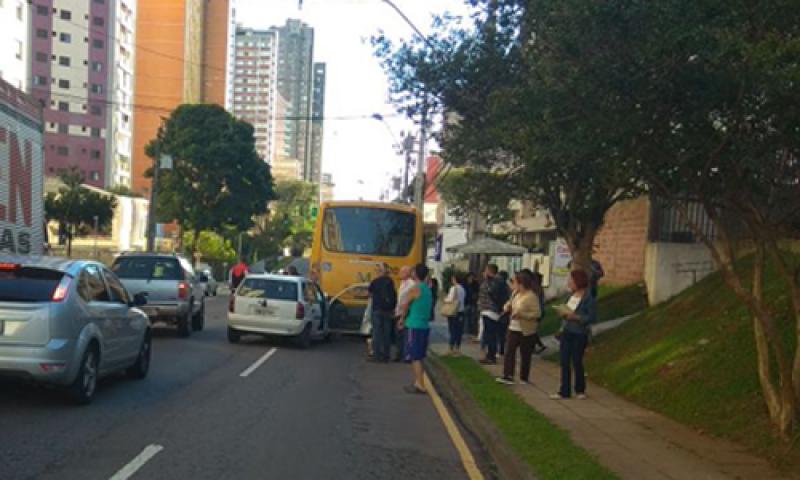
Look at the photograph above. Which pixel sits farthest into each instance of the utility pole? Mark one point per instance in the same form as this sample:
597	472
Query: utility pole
408	148
419	182
151	211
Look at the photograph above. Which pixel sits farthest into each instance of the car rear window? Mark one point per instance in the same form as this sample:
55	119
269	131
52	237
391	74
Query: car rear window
270	289
29	284
144	268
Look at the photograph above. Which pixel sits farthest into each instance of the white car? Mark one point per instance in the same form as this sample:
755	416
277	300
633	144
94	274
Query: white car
266	304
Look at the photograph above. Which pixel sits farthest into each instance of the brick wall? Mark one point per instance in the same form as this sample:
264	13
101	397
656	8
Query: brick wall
621	244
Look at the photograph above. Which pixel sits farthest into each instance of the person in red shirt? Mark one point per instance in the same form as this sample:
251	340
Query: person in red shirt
239	271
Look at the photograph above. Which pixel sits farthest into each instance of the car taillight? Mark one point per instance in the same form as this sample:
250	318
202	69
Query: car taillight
232	304
183	290
61	291
301	311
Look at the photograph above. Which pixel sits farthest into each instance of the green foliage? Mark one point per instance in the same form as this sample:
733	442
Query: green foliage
217	179
212	247
694	359
290	221
470	190
547	450
124	191
75	207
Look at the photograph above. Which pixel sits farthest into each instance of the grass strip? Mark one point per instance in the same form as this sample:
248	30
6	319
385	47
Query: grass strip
548	450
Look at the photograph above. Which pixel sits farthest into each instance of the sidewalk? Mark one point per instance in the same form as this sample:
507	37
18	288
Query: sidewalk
631	441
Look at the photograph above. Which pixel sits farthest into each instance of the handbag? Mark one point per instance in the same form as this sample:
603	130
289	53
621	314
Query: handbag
449	309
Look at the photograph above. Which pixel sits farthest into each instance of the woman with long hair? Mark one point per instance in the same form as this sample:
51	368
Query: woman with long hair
524	313
577	315
455	323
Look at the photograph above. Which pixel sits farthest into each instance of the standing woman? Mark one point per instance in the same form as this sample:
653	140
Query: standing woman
455	323
524	313
578	316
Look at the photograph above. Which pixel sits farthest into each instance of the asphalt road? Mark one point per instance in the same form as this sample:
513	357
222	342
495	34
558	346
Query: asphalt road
321	413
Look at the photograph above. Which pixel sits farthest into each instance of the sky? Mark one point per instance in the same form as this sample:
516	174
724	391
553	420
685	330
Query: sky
357	152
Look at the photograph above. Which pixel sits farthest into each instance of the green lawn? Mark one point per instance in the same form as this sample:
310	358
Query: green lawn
613	302
547	449
693	359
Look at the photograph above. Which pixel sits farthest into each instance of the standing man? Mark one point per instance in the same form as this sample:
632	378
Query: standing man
416	317
384	303
239	271
490	311
406	284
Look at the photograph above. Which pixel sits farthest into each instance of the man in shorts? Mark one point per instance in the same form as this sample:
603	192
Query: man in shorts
415	320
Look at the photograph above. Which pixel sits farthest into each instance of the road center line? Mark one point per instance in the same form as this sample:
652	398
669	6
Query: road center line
131	468
252	368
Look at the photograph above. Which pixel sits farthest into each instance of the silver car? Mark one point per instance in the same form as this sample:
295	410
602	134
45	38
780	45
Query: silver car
68	323
175	295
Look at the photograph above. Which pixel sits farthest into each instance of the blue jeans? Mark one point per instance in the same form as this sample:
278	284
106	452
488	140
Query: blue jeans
382	324
573	346
456	327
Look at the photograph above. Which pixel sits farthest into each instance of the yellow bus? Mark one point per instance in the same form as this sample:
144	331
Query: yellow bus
351	239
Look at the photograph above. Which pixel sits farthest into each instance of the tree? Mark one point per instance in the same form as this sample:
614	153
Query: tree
217	179
719	83
75	207
212	247
289	222
516	110
471	191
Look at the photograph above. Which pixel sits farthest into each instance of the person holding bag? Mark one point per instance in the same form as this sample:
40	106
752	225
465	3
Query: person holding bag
453	307
524	312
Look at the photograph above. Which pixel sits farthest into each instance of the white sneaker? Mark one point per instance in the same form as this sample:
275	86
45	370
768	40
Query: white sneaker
524	382
504	381
557	396
581	396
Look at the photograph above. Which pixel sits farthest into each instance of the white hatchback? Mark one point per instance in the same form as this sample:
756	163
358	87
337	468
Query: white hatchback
278	305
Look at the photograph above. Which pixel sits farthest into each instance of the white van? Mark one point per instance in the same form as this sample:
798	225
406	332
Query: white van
266	304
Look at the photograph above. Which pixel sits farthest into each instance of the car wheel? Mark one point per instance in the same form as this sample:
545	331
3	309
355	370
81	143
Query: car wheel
304	339
184	325
233	335
199	319
85	384
139	370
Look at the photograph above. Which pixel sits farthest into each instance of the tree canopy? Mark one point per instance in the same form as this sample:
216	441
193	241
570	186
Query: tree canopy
217	179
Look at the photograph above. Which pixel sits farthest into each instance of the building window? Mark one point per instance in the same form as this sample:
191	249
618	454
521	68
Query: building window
20	12
97	43
62	150
96	154
97	88
63	106
63	83
97	66
98	21
64	61
39	80
95	176
42	33
65	38
42	57
42	10
96	132
66	15
63	128
101	2
96	110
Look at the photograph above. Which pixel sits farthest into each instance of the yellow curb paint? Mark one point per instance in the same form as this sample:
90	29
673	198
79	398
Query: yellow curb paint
455	435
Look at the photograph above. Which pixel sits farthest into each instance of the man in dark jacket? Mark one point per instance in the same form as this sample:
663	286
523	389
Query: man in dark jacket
490	308
384	302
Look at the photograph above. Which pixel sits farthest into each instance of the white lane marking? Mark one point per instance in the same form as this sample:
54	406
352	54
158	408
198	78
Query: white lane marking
130	469
252	368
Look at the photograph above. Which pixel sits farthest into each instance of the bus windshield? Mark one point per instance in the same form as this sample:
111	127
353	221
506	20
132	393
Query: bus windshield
368	231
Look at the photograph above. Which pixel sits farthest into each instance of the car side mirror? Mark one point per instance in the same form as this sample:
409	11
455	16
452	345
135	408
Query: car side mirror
140	299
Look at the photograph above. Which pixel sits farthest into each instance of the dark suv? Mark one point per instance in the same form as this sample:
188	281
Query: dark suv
175	295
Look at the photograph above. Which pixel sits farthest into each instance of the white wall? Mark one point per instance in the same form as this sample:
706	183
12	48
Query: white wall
15	42
670	268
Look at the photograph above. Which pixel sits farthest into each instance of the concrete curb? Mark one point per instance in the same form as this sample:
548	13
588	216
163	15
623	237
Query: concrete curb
505	462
